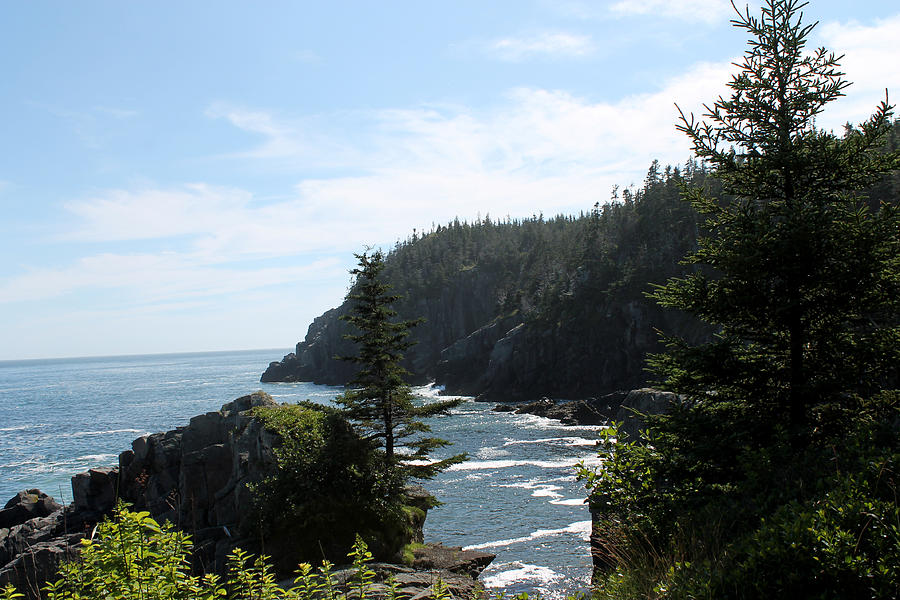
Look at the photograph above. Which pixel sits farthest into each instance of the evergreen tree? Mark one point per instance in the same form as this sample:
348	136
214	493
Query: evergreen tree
381	403
803	277
775	473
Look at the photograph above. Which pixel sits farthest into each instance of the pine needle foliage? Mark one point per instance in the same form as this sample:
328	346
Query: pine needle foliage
800	275
775	473
380	401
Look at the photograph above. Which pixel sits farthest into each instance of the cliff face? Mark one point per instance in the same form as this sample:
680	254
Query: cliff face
463	310
521	309
591	353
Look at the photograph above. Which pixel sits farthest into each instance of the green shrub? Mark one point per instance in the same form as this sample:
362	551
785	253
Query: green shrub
329	485
132	557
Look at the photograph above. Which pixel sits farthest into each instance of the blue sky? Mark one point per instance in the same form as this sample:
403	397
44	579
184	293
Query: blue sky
197	175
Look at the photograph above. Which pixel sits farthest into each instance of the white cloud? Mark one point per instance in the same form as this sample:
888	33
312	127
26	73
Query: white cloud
307	56
536	150
705	11
869	62
153	278
116	112
545	44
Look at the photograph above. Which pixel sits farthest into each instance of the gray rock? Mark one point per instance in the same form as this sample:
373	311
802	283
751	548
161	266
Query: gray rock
454	559
645	401
27	505
96	490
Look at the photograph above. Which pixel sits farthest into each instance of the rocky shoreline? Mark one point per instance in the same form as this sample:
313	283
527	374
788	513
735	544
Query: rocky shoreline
195	478
621	407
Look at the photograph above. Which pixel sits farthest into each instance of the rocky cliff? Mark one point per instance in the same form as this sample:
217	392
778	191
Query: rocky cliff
589	351
522	309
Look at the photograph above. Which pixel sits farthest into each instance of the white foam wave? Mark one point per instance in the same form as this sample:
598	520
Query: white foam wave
539	489
432	392
567	441
96	457
569	502
580	528
75	434
475	465
23	427
490	452
79	462
535	422
521	572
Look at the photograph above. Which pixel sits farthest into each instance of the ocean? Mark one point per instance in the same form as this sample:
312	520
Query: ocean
516	497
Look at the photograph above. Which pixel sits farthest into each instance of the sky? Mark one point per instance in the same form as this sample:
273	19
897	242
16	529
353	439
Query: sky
195	176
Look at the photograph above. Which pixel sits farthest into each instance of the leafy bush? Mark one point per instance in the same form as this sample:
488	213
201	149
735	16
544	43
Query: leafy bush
329	485
132	557
817	522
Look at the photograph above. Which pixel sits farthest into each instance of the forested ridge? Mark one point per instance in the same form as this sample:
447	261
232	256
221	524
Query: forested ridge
516	309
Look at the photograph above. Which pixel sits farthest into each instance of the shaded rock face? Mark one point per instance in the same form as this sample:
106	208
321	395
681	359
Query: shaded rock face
27	505
194	477
466	347
451	345
586	354
313	359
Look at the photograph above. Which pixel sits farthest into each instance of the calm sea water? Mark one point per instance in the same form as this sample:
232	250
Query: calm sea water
516	497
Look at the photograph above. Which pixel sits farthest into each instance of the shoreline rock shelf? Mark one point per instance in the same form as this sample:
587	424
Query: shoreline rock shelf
194	477
624	407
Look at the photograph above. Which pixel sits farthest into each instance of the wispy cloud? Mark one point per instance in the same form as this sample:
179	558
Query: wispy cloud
549	44
865	48
703	11
296	139
535	150
95	126
152	278
306	56
117	112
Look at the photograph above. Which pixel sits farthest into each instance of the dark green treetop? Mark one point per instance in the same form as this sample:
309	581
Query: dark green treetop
380	401
800	275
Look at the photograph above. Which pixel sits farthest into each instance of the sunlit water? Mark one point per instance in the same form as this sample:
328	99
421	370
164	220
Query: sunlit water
516	497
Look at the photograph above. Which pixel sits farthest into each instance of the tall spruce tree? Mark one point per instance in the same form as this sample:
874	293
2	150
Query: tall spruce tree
380	402
775	474
799	274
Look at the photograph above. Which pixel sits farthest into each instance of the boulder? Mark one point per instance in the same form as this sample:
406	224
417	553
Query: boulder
96	490
451	558
576	412
636	404
27	505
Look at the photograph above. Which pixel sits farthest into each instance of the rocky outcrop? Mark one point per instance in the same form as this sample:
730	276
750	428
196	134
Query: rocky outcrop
442	347
645	401
457	570
33	544
627	408
195	477
27	505
314	357
577	412
590	351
